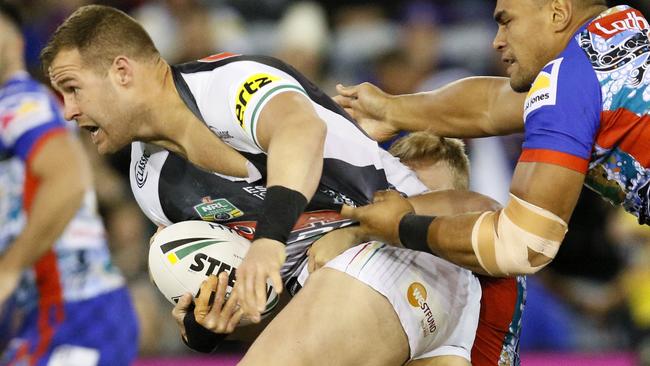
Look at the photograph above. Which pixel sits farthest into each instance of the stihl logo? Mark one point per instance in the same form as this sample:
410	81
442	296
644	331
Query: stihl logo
632	20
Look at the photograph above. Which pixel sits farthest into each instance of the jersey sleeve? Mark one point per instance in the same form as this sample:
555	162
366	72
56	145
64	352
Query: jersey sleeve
562	112
253	93
26	120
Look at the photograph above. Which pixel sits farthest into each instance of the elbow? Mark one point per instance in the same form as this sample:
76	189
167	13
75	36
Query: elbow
518	240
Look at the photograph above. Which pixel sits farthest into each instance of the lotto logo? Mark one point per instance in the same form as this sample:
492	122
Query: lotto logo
619	22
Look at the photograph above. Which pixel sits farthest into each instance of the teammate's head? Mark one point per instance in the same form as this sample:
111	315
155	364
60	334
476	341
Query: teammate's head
440	163
102	62
11	40
533	32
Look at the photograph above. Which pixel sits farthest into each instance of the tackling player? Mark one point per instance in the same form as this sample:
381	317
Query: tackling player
65	301
585	120
442	164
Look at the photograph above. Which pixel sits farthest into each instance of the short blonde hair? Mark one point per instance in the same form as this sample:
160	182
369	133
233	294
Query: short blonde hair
100	33
426	148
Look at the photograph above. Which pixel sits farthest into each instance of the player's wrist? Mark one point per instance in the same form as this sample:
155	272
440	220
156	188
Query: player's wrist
281	209
414	232
391	112
199	338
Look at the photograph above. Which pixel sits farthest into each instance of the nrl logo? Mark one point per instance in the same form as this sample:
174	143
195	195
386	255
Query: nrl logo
217	210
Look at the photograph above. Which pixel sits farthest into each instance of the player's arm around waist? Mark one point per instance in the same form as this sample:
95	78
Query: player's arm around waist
470	107
521	238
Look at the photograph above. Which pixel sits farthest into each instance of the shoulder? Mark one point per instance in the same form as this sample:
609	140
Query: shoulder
569	81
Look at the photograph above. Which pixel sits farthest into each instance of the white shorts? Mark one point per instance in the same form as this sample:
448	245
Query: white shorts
437	302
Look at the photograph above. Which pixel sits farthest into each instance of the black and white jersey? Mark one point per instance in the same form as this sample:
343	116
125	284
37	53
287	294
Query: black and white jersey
227	92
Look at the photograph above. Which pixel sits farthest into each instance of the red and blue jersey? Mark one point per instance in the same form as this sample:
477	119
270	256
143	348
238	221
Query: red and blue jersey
589	109
79	266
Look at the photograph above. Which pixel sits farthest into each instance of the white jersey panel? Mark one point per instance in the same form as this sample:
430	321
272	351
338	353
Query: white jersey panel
146	164
231	97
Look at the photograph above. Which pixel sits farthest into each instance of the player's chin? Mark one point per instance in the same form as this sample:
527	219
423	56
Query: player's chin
106	146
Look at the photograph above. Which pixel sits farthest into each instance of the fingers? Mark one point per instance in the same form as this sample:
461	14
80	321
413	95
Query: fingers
342	101
347	91
250	306
389	194
229	315
222	288
180	309
260	295
205	297
349	212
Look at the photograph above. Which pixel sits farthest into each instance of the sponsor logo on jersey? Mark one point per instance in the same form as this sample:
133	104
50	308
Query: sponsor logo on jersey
544	89
141	173
246	91
416	294
245	229
217	210
256	191
223	135
618	22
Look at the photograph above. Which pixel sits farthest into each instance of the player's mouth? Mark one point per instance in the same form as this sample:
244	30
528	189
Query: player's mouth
94	130
510	62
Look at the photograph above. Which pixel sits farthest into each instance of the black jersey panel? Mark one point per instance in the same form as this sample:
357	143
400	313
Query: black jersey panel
190	193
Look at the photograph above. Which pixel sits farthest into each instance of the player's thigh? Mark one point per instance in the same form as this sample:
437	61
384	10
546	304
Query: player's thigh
334	320
440	361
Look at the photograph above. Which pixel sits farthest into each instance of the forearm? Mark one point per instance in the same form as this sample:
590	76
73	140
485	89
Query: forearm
450	237
295	157
452	202
470	107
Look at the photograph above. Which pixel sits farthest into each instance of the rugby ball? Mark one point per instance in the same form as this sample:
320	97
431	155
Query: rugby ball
184	254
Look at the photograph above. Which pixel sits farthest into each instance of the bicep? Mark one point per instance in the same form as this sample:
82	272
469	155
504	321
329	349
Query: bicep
289	111
505	108
549	186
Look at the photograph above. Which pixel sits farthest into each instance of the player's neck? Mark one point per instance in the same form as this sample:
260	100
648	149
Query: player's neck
580	19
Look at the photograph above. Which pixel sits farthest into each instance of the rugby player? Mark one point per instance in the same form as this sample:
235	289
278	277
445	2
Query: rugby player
585	120
63	301
442	164
225	114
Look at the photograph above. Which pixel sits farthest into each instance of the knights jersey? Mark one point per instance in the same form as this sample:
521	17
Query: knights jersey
228	92
588	110
79	267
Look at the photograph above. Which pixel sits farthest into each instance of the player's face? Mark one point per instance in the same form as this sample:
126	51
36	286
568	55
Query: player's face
91	100
523	40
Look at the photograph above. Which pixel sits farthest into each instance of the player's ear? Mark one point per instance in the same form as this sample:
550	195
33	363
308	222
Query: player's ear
122	70
562	12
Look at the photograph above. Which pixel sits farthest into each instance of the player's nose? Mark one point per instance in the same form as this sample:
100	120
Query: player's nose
70	109
499	42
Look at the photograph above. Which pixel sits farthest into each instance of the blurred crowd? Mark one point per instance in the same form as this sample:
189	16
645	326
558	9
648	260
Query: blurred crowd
595	296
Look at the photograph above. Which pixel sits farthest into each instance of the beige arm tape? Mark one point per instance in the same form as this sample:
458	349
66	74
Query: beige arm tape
520	239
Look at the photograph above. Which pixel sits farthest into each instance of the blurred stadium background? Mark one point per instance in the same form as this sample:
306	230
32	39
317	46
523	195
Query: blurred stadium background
590	306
